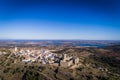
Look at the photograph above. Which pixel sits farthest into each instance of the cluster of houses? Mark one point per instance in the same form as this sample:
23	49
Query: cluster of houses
43	56
46	57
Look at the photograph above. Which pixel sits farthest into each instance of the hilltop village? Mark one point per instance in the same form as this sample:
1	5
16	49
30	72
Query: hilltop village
58	63
45	56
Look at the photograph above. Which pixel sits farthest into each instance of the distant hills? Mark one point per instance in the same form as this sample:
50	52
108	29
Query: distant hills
84	43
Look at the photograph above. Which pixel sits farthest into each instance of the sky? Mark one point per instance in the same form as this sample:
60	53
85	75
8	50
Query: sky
60	19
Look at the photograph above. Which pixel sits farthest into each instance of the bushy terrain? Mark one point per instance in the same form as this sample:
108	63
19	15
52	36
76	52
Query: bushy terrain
96	64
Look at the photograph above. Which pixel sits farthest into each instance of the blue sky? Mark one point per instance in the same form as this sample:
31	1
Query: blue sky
60	19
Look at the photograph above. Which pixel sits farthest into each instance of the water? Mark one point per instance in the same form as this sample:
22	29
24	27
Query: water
92	45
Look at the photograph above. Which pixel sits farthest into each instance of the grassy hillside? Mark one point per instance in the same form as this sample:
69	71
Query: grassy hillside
96	64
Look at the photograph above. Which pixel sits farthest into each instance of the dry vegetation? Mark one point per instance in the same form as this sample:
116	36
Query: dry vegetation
91	68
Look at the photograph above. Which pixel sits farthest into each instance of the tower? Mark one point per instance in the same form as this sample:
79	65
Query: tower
16	49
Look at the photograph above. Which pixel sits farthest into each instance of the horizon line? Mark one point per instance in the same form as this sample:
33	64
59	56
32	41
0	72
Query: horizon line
65	39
